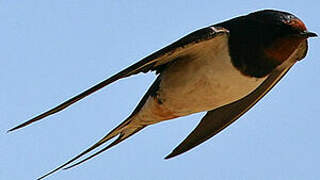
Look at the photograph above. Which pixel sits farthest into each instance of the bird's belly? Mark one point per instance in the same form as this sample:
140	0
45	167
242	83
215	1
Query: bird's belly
203	84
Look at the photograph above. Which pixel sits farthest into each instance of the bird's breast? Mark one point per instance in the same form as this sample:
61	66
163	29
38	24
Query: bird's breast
203	81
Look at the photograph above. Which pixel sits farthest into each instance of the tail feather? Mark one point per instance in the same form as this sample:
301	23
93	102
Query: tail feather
122	137
123	130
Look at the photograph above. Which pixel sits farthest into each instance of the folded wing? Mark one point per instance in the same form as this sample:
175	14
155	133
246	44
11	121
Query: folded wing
153	62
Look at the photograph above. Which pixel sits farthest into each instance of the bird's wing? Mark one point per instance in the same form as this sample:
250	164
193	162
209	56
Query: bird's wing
218	119
153	62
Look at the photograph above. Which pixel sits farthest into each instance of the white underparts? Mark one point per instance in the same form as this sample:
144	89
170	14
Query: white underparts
204	80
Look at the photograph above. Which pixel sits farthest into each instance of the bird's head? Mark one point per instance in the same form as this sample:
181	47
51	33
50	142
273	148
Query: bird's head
281	24
282	32
262	40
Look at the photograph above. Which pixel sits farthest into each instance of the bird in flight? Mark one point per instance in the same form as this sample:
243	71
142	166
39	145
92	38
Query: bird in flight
223	69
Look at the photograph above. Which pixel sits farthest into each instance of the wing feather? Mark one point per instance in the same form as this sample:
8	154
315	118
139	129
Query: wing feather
149	63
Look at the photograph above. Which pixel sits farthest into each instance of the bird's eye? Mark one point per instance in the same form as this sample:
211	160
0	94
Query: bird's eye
290	17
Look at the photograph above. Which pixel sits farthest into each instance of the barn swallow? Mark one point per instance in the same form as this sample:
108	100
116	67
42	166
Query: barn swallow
223	69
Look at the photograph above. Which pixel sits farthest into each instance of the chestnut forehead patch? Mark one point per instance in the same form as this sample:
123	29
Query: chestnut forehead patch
297	24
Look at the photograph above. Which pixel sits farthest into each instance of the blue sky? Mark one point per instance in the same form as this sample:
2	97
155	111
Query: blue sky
52	50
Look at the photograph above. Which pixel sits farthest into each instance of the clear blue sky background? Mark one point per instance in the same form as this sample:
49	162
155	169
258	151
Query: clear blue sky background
52	50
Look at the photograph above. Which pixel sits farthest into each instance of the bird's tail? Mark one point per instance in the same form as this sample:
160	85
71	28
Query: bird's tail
123	131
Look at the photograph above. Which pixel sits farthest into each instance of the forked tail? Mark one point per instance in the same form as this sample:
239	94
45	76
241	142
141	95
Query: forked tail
123	131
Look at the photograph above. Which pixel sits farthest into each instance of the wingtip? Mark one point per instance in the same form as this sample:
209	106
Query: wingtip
18	127
167	157
171	155
12	129
30	121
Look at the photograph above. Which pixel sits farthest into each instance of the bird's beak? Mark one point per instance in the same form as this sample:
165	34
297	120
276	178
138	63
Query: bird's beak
307	34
